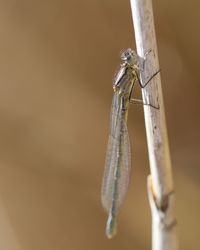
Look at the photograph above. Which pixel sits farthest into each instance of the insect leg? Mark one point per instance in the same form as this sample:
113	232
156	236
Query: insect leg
138	101
138	79
145	57
143	86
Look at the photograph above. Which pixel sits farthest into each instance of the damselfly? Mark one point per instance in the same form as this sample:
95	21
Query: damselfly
118	158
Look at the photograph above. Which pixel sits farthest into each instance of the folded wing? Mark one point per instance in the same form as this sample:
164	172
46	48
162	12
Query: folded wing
117	143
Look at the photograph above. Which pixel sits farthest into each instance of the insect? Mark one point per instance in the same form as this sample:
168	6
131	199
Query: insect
118	157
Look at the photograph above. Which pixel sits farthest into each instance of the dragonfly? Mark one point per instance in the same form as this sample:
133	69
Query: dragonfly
118	157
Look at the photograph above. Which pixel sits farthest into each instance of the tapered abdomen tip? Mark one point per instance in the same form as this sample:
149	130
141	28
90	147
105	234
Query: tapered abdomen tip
111	226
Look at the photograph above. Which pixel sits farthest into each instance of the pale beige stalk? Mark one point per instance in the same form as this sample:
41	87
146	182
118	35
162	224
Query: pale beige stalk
160	183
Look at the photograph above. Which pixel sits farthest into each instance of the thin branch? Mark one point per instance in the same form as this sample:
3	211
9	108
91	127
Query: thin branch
160	183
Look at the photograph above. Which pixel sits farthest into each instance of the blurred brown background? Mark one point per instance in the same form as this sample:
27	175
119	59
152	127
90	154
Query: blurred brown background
57	61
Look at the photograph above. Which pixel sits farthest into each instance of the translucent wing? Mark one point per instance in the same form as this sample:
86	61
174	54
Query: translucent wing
114	188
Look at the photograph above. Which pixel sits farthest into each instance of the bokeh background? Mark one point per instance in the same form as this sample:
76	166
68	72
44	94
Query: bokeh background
57	61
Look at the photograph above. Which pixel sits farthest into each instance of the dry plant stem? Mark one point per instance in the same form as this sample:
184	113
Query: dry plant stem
163	222
160	188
